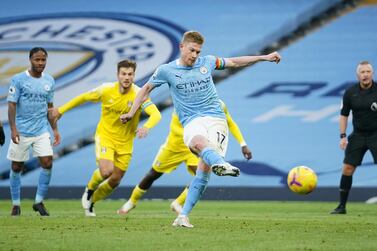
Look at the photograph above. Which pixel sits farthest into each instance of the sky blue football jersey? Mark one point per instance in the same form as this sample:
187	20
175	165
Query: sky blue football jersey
192	88
31	95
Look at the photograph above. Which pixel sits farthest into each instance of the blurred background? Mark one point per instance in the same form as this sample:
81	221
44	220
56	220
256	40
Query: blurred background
288	112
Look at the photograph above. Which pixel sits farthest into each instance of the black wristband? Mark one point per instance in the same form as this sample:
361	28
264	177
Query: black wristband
343	135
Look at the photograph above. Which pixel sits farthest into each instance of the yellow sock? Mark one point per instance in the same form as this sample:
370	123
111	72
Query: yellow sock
102	191
95	180
182	197
136	195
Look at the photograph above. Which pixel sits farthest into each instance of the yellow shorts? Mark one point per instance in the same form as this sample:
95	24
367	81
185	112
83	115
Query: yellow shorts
106	149
167	160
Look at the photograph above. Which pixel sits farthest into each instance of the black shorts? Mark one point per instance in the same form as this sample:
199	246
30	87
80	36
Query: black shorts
358	145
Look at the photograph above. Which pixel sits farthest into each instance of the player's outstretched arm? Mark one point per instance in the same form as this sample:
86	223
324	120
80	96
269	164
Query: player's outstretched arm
141	96
243	61
90	96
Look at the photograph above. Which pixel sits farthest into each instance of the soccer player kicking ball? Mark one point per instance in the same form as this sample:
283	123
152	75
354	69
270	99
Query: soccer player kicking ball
171	154
199	110
113	139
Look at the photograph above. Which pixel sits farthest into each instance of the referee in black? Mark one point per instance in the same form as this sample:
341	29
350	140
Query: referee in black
362	100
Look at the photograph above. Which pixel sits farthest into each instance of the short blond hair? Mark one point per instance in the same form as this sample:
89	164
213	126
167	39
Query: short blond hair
192	36
363	63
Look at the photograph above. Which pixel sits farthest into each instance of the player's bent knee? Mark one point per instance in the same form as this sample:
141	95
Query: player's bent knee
197	144
192	169
114	181
197	147
153	175
149	178
106	172
17	166
46	163
348	169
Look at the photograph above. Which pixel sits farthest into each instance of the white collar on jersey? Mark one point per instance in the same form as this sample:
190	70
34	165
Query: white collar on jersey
28	73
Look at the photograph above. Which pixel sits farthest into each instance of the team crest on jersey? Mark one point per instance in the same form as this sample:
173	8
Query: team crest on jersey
47	88
373	107
84	48
12	90
203	70
129	103
103	149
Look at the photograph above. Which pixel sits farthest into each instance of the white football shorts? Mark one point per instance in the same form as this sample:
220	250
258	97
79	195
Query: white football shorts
41	146
215	130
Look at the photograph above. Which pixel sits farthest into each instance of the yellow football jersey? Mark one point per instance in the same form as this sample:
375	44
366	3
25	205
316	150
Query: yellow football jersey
114	104
174	141
233	127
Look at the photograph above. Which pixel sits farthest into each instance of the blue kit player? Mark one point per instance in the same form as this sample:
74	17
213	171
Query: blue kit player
199	110
30	95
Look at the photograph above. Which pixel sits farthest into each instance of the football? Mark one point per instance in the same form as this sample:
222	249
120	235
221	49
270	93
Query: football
302	180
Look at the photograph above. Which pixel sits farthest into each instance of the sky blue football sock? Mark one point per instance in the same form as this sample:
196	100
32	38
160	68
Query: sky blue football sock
211	157
15	187
196	190
44	181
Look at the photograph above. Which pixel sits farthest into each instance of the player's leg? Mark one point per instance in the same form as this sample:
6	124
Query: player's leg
177	204
43	150
191	162
43	185
148	180
164	162
104	158
200	145
372	145
18	154
106	169
121	161
195	192
182	196
344	188
15	187
96	179
109	185
354	154
144	185
207	137
218	139
139	191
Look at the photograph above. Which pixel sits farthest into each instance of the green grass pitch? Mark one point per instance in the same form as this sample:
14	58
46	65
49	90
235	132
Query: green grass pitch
218	225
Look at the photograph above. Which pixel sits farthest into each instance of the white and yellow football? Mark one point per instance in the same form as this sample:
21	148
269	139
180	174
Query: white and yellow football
302	180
